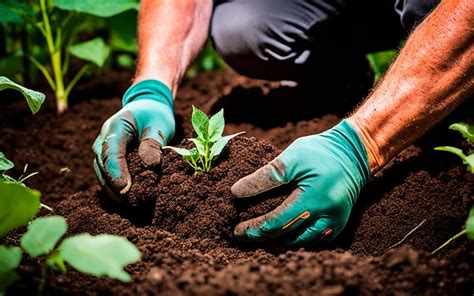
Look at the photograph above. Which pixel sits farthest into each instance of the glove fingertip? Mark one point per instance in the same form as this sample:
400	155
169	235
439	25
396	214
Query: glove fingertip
150	152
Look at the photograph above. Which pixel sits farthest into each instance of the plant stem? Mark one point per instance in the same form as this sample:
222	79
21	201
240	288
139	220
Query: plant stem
44	273
407	235
449	241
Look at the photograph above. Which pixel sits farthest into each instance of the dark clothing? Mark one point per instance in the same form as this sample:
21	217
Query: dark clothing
286	39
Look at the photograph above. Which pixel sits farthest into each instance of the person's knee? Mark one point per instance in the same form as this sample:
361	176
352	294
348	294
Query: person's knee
253	45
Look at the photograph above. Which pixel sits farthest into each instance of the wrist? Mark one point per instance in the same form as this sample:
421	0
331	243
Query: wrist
150	89
375	156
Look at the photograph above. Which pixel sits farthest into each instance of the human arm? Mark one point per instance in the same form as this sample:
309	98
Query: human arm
432	75
170	34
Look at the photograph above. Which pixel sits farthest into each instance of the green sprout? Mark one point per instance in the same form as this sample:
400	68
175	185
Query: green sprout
209	142
467	131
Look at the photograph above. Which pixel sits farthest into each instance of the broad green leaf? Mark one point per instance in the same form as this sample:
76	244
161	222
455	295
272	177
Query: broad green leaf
199	146
12	11
95	51
43	234
470	224
5	163
465	129
18	205
33	98
180	151
200	123
101	255
104	8
220	144
123	31
10	258
216	126
7	278
467	160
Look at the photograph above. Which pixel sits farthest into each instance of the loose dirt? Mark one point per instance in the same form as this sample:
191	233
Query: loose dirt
182	223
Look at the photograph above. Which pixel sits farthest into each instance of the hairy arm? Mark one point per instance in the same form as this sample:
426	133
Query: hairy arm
432	75
170	35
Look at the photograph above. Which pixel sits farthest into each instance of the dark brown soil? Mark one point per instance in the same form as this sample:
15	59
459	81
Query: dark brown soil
184	227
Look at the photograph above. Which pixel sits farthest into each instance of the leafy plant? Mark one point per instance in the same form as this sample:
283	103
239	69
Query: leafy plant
380	61
209	142
34	98
59	23
467	131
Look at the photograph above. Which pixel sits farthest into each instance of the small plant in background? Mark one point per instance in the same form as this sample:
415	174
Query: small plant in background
467	131
59	23
209	142
34	98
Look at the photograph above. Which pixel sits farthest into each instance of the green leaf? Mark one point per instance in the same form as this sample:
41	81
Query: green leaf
220	144
5	163
95	51
465	129
194	155
467	160
216	126
200	146
380	61
104	8
11	65
100	255
43	234
10	258
33	98
123	31
200	123
470	224
18	205
12	11
180	151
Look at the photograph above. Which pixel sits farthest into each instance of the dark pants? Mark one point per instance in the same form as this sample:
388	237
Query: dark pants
294	39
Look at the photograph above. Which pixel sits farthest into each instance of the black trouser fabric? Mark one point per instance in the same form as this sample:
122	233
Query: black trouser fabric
290	39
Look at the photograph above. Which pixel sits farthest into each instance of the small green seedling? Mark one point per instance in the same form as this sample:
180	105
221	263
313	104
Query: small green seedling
467	131
209	142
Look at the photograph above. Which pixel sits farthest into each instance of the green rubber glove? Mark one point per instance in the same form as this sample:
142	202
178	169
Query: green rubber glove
329	170
146	119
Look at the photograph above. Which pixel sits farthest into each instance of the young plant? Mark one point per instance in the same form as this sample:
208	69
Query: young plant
209	142
101	255
59	23
467	131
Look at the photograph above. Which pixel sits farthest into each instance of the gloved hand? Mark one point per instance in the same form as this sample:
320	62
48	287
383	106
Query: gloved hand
329	170
146	118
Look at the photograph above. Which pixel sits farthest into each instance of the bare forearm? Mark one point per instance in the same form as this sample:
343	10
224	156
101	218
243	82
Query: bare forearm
170	35
433	74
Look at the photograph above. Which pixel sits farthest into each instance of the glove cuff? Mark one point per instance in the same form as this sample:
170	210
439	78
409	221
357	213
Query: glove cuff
348	132
151	90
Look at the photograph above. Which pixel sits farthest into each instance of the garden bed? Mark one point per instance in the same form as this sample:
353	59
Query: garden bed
186	235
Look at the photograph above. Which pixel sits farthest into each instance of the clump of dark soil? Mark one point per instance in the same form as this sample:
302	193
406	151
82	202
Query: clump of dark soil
201	205
183	223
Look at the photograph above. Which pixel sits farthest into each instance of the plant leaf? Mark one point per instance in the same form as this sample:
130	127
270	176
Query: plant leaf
18	205
100	255
216	126
104	8
123	35
33	98
199	146
465	129
180	151
5	163
220	144
43	234
194	155
380	61
200	123
12	11
467	160
470	224
95	51
10	258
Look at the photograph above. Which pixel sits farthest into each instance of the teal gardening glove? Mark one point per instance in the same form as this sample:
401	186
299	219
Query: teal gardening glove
147	119
329	170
